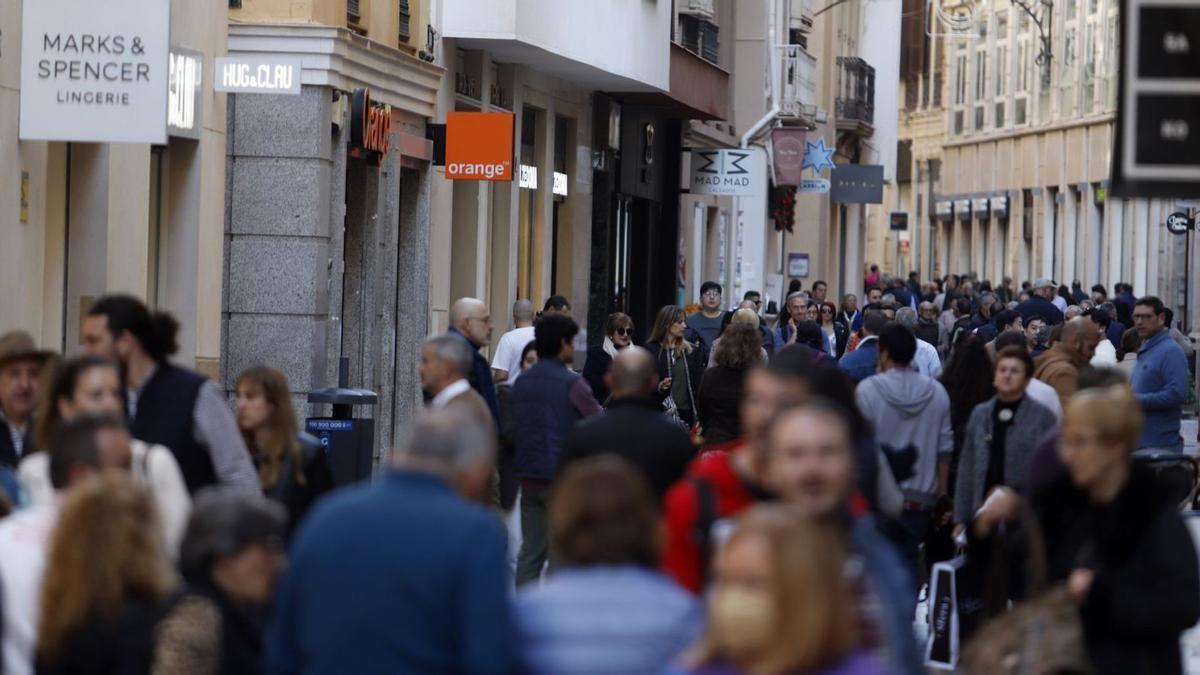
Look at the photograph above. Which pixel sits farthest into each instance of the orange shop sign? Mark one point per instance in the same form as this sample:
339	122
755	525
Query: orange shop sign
479	146
370	123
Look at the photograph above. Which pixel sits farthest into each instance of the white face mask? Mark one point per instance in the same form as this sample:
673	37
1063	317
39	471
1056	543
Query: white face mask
743	620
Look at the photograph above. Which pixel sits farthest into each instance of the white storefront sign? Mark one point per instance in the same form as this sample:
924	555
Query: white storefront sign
560	184
528	179
729	172
185	74
95	71
250	75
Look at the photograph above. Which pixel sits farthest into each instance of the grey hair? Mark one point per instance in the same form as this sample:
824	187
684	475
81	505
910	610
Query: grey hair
226	521
926	305
453	349
1072	312
448	437
907	317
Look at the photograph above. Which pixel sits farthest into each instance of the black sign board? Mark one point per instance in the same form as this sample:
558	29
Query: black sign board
857	184
1179	223
1156	152
899	220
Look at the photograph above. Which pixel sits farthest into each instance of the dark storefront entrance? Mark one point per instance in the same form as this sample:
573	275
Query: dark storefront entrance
635	214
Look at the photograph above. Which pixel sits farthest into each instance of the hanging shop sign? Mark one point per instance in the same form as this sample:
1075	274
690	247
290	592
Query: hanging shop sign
944	210
813	186
857	184
898	221
528	177
962	209
479	146
95	71
1179	223
979	206
370	123
560	184
737	172
253	75
1000	207
1156	152
787	153
185	73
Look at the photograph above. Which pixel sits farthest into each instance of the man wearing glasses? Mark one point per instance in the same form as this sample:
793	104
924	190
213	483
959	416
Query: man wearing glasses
1160	378
707	322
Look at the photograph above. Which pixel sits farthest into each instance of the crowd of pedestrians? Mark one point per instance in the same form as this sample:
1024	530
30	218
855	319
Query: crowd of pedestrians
723	492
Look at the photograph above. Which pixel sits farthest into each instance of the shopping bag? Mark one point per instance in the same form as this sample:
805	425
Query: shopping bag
942	647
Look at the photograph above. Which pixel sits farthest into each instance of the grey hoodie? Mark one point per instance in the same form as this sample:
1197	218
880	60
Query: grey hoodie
911	416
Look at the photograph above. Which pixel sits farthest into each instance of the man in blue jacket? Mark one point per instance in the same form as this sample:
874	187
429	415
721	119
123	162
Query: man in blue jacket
1160	378
861	363
407	575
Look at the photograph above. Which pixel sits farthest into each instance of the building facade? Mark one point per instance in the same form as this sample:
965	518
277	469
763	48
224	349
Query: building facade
82	219
328	202
1019	187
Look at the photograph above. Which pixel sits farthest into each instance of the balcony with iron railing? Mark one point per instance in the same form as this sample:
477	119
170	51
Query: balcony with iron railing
855	103
798	90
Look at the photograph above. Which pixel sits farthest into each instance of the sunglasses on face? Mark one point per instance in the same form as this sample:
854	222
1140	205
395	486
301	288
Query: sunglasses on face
827	311
623	331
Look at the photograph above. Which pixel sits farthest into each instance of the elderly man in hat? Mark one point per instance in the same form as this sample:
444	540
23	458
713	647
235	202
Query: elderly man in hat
20	368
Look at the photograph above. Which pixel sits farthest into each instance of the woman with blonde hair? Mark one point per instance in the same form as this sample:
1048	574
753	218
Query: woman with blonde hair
1113	537
292	467
779	605
107	581
680	363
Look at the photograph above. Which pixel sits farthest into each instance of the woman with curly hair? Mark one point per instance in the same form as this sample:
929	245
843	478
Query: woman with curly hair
739	349
107	581
680	363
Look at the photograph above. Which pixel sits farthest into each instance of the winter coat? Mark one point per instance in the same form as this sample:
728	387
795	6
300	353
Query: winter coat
696	361
1031	422
1059	367
719	404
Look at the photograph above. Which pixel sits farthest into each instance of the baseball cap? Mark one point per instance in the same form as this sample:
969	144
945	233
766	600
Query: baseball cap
1043	282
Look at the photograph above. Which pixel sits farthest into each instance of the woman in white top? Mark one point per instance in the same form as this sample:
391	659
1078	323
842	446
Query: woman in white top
91	385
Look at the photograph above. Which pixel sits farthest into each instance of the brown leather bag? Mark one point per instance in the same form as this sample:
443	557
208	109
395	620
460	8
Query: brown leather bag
1041	636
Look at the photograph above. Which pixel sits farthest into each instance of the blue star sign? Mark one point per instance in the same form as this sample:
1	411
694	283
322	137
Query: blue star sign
817	157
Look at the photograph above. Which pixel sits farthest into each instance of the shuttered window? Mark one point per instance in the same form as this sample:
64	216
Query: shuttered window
352	9
405	20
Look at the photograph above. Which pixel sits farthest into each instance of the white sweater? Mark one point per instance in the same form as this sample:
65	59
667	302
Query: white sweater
153	466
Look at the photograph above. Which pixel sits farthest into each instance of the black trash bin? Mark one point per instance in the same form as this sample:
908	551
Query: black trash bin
349	441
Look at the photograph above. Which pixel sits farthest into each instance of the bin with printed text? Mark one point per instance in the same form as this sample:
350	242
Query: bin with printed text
348	441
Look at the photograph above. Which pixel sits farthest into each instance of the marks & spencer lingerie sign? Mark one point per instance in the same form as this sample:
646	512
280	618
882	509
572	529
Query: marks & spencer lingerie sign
95	71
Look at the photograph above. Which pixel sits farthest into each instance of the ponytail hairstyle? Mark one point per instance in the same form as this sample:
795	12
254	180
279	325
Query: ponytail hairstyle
281	440
154	331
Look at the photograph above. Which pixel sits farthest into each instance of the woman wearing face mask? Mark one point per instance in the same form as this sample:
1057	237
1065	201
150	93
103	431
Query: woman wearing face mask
618	334
292	467
231	558
779	605
680	363
1114	537
1001	436
91	385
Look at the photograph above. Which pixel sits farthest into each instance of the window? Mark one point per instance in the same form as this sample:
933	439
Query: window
352	10
960	80
1089	66
405	20
981	90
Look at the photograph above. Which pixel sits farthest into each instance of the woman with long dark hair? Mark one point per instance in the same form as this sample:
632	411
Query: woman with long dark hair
91	385
968	381
680	363
739	349
292	468
836	334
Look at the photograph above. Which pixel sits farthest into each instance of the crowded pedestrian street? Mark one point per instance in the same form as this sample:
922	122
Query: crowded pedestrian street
637	337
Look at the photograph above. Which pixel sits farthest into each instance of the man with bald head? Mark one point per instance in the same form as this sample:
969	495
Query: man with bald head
471	321
634	427
1059	366
506	363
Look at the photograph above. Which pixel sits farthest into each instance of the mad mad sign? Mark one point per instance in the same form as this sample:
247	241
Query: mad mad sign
95	71
729	172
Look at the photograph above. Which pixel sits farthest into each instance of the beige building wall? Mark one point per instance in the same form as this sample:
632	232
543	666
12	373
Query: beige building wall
171	257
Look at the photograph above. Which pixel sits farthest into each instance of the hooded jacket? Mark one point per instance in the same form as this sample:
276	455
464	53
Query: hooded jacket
1059	368
911	417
